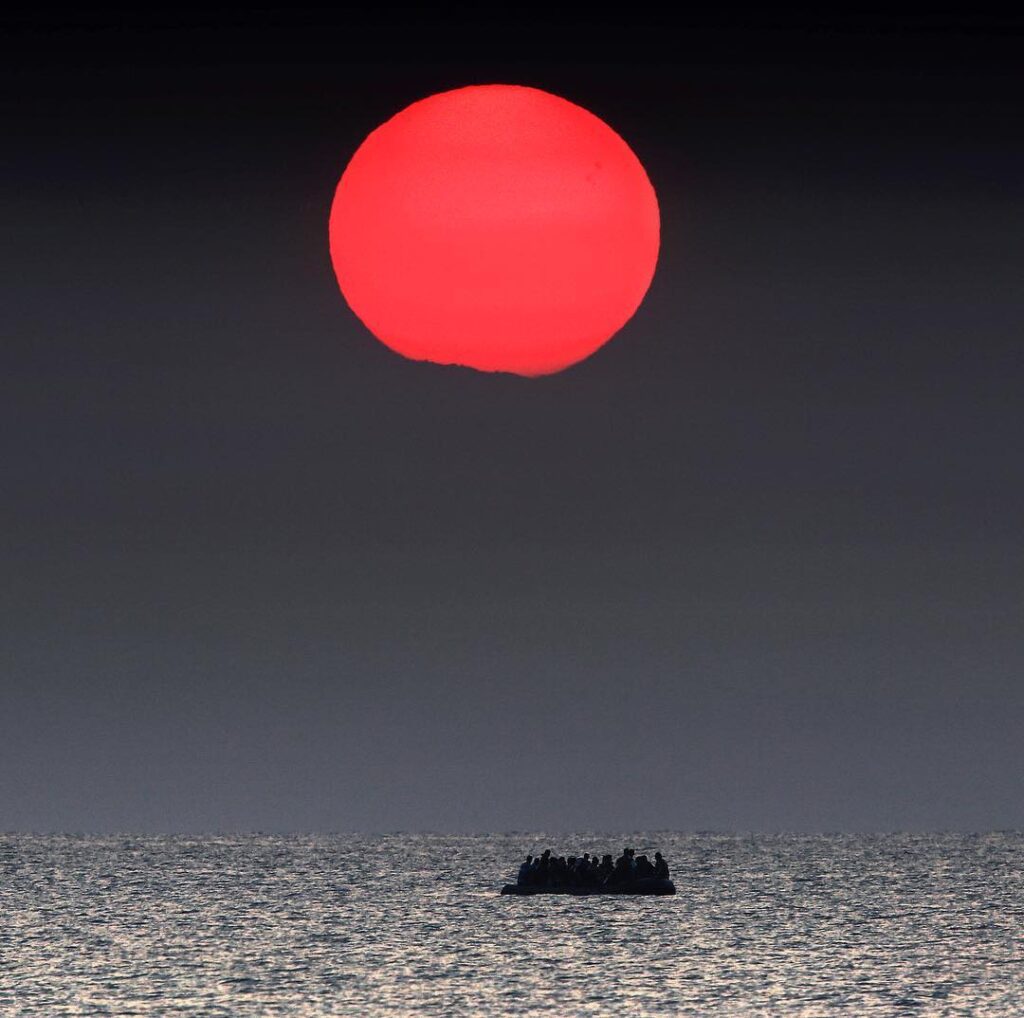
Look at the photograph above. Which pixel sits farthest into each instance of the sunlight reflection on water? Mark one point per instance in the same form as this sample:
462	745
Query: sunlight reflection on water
414	924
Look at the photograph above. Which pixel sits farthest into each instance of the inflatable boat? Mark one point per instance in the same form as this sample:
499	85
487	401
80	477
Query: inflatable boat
646	885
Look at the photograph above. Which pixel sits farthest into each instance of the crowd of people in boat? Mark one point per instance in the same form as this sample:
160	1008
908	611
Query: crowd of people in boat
586	870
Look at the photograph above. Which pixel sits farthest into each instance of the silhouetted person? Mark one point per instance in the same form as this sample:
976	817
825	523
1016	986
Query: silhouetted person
660	866
583	870
525	871
534	877
544	868
623	869
563	871
644	868
604	871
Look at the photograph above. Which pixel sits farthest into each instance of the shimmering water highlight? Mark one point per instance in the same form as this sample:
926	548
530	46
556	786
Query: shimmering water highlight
413	924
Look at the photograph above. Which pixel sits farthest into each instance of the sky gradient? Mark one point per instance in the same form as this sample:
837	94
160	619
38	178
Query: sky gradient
756	564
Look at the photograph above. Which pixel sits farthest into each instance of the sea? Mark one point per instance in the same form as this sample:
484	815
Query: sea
413	924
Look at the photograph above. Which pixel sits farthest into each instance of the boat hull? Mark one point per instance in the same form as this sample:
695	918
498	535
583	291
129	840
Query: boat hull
648	885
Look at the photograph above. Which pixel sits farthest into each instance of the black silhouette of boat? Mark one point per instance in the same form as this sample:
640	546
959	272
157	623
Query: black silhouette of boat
645	885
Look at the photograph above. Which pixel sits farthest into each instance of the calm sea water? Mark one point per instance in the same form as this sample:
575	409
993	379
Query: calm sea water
406	924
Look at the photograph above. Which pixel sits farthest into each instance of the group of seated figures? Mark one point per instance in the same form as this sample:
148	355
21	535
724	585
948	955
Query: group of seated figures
585	871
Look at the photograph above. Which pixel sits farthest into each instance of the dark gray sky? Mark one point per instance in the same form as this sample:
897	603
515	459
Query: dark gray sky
757	564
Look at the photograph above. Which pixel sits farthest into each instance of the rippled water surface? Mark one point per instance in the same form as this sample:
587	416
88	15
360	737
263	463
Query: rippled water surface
414	924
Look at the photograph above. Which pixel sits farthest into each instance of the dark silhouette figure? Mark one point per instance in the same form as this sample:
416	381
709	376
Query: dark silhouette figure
585	871
623	868
560	870
544	868
660	866
644	868
525	871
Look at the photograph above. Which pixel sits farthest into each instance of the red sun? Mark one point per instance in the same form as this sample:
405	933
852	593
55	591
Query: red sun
497	227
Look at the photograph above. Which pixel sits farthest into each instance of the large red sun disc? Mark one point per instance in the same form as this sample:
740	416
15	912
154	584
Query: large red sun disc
497	227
